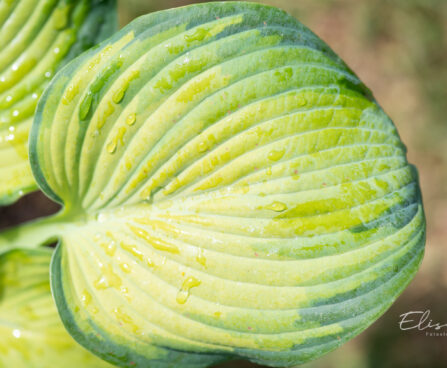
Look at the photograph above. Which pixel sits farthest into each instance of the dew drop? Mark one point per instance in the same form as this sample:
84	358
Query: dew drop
202	147
86	104
109	248
163	85
130	120
86	298
119	138
108	278
121	316
149	262
108	111
111	146
198	35
133	250
172	187
146	194
155	242
124	318
120	135
119	95
125	267
121	91
125	292
182	297
200	258
284	75
70	93
276	206
276	155
184	292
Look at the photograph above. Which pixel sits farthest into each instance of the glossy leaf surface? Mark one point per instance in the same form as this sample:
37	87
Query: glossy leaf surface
37	37
230	187
31	332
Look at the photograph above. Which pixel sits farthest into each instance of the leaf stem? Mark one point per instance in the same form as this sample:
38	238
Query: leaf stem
33	234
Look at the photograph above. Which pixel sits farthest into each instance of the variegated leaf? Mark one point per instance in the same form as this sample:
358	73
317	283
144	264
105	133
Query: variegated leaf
37	37
31	332
229	186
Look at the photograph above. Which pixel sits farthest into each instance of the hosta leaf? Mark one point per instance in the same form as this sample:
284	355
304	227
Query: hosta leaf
31	332
230	187
37	37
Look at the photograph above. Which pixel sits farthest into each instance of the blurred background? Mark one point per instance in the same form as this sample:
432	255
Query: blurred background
399	49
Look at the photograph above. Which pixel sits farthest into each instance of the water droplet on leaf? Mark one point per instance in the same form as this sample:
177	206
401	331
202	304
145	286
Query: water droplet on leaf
184	292
276	206
276	155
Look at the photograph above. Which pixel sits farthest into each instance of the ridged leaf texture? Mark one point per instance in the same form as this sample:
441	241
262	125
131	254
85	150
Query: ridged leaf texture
37	37
231	189
31	332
